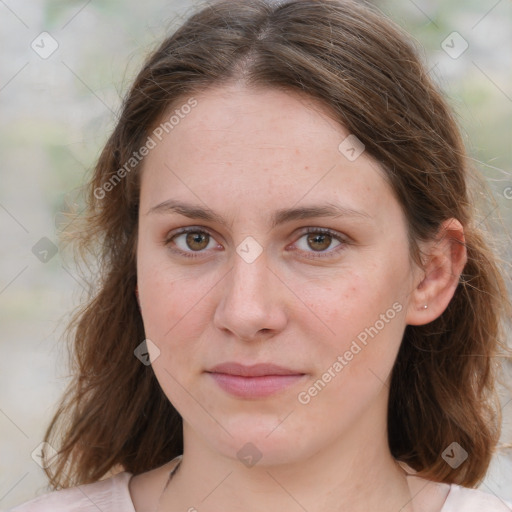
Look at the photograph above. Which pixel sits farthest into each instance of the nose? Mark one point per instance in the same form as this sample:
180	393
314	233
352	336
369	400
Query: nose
252	302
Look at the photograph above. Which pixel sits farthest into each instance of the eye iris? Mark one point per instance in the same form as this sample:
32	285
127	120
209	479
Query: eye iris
196	237
320	238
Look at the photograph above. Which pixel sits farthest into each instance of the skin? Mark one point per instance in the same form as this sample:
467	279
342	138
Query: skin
245	153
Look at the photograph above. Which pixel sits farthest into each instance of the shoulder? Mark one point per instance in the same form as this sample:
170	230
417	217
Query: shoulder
108	495
463	499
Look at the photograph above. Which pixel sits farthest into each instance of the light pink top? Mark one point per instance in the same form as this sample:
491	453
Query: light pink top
113	495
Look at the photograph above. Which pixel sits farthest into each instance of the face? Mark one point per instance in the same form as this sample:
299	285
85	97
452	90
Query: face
285	250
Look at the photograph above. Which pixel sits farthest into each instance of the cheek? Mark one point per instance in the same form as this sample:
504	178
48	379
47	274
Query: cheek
346	303
352	367
362	316
173	317
175	313
171	310
165	295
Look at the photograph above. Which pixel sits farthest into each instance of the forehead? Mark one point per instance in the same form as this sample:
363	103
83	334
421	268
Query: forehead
258	146
262	118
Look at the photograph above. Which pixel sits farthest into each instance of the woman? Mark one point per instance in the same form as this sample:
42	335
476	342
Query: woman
296	308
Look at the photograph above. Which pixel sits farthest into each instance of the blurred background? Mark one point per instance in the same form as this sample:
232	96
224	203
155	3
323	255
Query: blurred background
64	66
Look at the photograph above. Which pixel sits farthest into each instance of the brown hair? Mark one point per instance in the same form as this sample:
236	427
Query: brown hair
365	69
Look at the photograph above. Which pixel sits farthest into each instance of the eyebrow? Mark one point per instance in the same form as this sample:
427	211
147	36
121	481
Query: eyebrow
281	216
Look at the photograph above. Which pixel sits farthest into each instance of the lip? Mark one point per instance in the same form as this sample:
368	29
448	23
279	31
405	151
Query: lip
255	381
255	370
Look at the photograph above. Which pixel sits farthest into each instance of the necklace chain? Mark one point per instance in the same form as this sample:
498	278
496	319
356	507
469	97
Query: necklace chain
171	474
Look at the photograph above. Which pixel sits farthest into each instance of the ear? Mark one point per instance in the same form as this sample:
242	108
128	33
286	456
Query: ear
436	282
137	295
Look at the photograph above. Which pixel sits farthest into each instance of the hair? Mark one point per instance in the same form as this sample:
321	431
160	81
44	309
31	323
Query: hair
368	73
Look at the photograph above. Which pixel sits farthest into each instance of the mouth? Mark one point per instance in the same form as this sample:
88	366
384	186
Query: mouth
256	381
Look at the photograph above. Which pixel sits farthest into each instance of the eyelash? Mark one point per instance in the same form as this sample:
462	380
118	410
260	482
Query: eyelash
323	231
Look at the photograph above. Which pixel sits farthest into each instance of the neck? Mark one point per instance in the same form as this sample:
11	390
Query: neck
356	473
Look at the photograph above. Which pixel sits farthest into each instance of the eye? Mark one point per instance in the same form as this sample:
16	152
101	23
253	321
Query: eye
319	240
190	240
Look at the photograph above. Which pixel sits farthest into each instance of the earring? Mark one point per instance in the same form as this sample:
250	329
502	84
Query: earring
425	306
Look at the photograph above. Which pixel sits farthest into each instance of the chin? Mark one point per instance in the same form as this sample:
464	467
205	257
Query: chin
254	441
